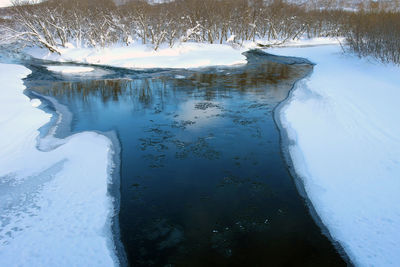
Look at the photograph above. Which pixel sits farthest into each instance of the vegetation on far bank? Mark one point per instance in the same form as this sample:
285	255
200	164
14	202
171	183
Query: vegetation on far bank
370	28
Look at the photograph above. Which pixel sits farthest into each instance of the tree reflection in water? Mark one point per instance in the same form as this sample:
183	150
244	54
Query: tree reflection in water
214	82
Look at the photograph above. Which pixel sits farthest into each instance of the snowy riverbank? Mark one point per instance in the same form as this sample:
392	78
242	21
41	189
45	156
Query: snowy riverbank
344	140
183	55
54	204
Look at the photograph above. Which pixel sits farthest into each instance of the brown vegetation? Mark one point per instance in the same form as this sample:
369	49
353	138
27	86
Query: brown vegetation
376	34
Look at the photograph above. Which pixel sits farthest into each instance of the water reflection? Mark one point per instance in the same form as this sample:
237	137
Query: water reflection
203	182
250	79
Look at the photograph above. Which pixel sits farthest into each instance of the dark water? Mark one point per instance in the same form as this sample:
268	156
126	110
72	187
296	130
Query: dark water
203	181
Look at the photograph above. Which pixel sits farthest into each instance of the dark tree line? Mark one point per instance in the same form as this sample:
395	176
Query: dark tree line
369	30
376	34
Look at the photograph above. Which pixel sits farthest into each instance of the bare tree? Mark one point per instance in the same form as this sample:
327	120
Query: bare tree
369	26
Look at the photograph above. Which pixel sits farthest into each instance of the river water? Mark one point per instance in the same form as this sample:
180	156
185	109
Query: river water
203	179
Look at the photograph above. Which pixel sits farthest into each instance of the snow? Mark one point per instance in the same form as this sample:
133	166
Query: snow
5	3
317	41
344	140
69	69
36	102
184	55
54	204
231	39
302	42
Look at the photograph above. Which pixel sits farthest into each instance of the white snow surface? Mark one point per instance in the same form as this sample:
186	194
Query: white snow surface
5	3
302	42
182	55
69	69
136	56
344	130
54	205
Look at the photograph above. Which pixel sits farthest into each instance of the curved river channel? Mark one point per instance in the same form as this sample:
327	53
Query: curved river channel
203	181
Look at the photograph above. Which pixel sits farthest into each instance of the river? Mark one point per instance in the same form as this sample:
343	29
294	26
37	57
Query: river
203	180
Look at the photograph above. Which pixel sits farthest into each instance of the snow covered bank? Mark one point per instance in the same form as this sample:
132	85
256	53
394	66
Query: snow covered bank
185	55
344	130
54	204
